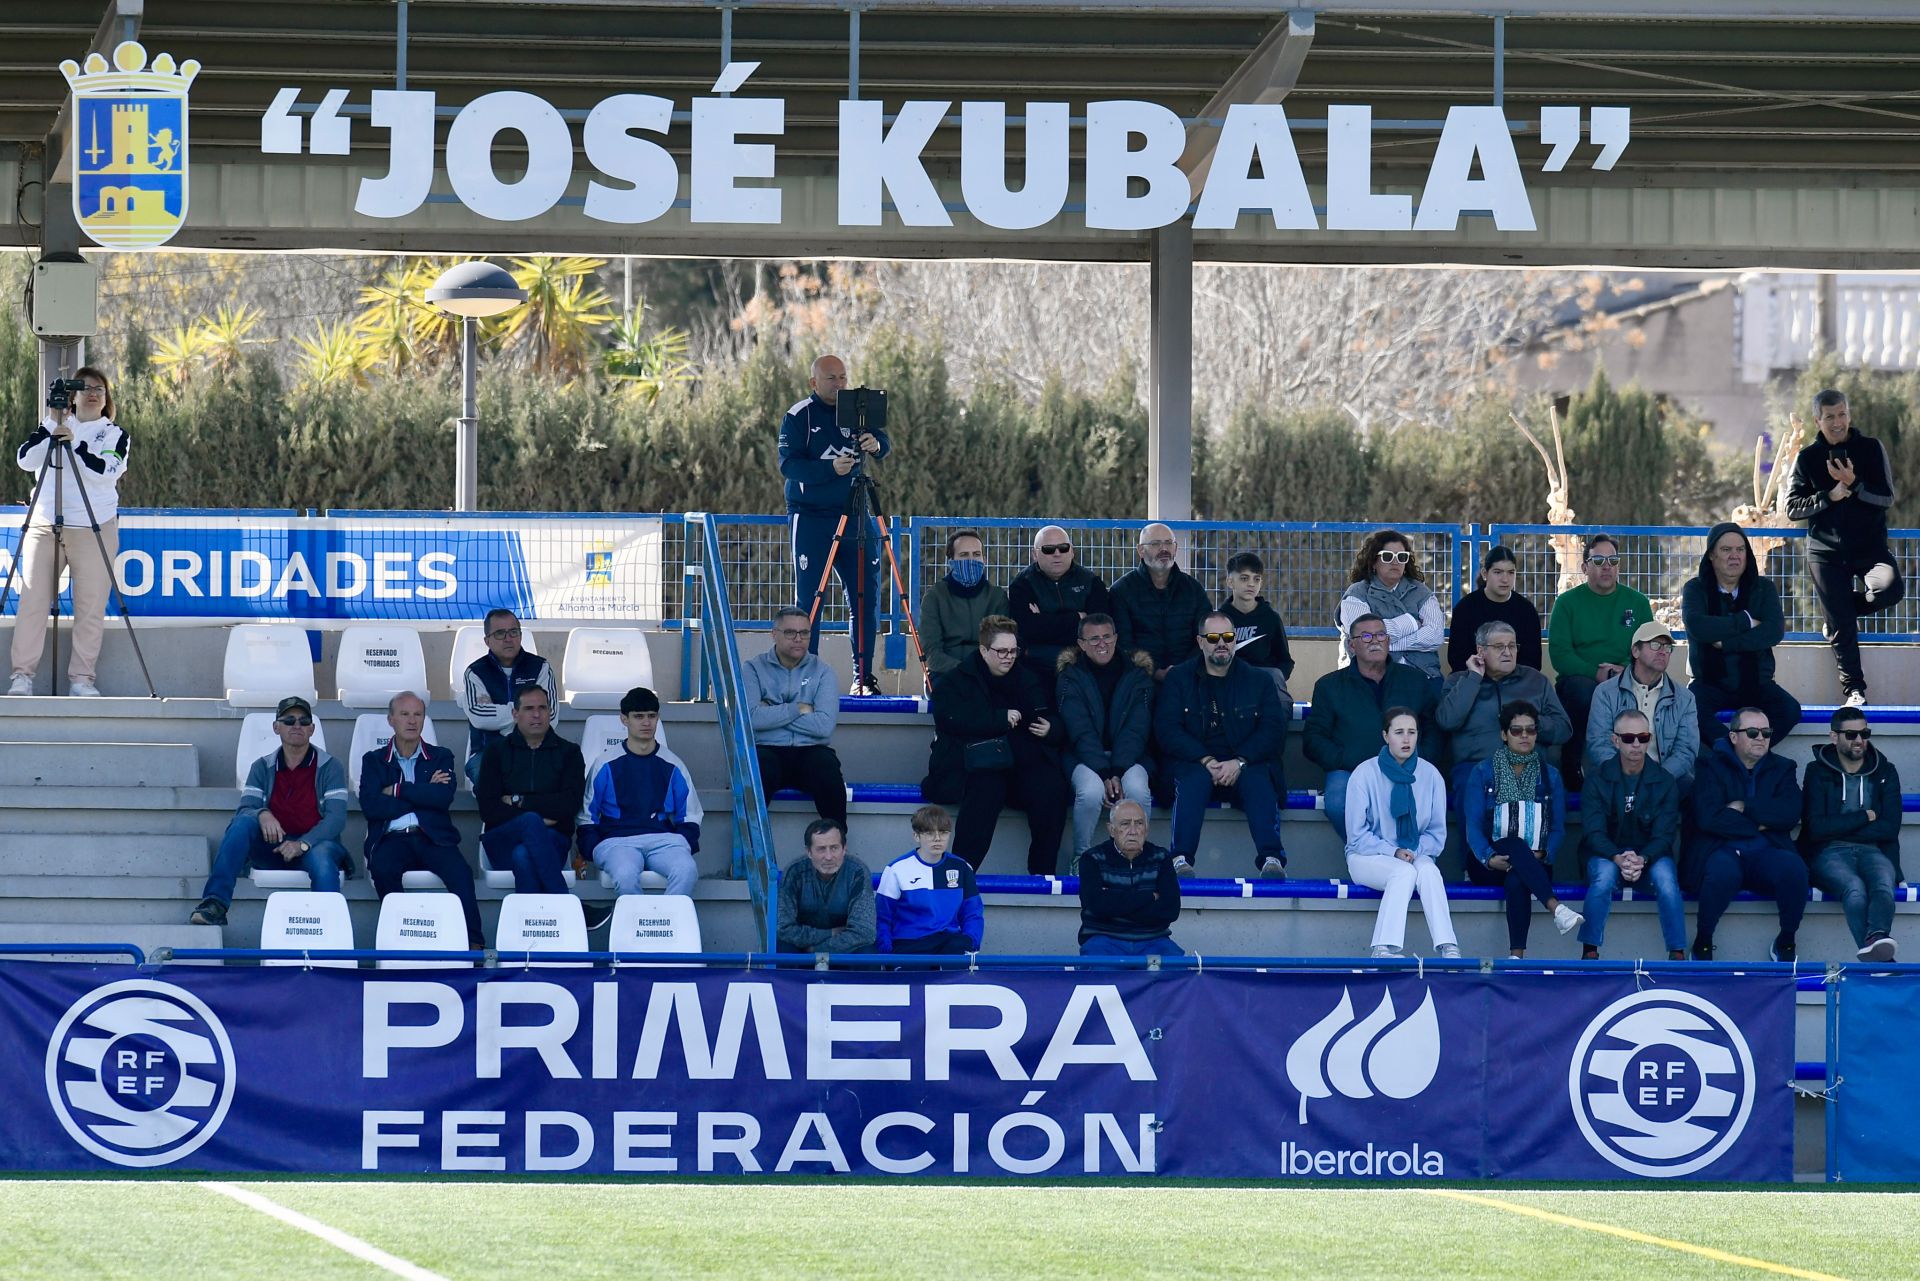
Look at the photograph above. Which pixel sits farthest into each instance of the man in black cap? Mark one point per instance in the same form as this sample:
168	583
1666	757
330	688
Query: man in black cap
291	814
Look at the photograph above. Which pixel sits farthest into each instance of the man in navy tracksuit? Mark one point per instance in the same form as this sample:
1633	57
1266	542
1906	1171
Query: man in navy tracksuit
817	457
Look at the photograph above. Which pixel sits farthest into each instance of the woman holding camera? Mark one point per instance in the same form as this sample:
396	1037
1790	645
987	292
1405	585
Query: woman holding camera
90	455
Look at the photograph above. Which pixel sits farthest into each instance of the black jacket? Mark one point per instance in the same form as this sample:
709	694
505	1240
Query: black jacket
1136	899
1771	791
427	800
1823	820
1652	829
1254	719
1259	636
1108	737
550	782
971	706
1164	621
1343	724
1744	660
1048	611
1855	526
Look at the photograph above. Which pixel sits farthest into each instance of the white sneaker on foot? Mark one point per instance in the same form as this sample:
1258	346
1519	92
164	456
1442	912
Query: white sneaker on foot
22	684
1449	952
1566	919
1181	867
1855	698
1384	952
83	689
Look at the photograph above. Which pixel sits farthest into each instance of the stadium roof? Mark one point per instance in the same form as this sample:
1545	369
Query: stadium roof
1763	133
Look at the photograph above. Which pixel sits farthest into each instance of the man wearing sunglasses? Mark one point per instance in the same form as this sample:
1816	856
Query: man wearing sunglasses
1222	728
1630	835
291	814
1746	803
1589	640
494	679
1850	830
1645	686
1049	598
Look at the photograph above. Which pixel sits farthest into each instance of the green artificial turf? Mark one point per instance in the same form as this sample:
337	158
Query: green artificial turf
559	1231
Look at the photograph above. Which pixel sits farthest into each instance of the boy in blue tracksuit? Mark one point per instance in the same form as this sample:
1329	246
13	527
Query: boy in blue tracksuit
817	457
928	901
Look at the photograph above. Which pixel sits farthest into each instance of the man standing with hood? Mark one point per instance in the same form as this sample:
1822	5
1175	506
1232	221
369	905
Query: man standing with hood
1842	487
1850	830
1733	619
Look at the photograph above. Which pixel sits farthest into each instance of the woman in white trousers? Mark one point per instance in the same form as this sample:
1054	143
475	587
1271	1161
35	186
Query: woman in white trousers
1396	828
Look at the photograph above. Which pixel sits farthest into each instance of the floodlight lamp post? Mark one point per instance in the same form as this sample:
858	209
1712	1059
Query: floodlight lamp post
471	290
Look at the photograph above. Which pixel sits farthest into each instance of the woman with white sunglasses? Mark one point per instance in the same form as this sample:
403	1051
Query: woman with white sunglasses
1386	579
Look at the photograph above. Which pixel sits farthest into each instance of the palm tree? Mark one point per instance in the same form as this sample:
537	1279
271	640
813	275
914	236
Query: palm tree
229	333
337	355
175	354
399	325
563	309
646	366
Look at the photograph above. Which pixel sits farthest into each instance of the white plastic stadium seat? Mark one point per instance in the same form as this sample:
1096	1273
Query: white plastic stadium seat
654	923
375	663
542	923
603	663
267	662
305	919
370	730
469	643
257	739
502	878
603	736
421	923
421	879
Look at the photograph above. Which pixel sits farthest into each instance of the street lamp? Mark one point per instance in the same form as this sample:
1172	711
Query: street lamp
470	291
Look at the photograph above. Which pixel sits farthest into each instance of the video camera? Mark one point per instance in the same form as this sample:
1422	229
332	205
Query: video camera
61	391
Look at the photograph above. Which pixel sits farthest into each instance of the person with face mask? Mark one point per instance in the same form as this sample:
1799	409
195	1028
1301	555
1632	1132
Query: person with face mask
952	610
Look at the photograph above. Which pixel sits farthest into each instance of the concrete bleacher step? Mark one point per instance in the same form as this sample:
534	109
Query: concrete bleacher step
52	855
97	765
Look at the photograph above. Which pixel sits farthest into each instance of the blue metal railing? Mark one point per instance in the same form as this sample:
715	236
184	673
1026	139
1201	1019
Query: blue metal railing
752	837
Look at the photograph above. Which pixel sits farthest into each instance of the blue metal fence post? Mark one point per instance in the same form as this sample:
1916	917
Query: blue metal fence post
1832	1104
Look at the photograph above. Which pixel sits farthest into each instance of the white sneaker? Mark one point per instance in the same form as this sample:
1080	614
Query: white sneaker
83	689
22	684
1566	919
1855	698
1384	952
1181	867
1449	952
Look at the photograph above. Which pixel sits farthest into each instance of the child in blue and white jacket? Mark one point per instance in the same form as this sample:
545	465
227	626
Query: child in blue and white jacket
928	901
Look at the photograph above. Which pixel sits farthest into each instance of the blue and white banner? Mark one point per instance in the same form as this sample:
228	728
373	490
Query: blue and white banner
1216	1075
377	566
1873	1132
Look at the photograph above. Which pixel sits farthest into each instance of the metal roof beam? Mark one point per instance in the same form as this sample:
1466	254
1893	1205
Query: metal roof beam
1267	75
1742	11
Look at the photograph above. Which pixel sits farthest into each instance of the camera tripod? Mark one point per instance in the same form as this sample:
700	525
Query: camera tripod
863	507
56	450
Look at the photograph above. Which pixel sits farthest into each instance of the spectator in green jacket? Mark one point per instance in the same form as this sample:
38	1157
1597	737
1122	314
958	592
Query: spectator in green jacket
1590	640
952	610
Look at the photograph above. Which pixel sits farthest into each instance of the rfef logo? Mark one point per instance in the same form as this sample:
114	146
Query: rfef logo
1372	1056
130	146
140	1073
1662	1083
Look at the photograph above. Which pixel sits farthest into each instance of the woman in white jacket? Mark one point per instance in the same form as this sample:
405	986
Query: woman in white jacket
90	475
1396	828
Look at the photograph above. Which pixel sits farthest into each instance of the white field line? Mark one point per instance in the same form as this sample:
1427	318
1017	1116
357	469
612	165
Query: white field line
332	1236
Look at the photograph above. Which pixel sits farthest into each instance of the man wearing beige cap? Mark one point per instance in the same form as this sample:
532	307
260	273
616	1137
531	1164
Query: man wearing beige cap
1668	706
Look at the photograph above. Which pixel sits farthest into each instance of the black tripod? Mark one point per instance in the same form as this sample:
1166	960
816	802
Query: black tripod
57	449
863	504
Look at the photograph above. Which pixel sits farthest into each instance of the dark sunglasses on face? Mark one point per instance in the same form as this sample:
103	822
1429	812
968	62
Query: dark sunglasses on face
302	722
1054	549
1752	731
1523	731
1634	738
1396	558
1856	735
1216	638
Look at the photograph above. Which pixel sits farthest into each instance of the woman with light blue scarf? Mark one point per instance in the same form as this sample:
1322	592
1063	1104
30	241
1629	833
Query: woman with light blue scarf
1396	828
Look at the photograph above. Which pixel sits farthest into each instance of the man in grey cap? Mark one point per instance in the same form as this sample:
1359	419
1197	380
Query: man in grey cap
1668	706
292	812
